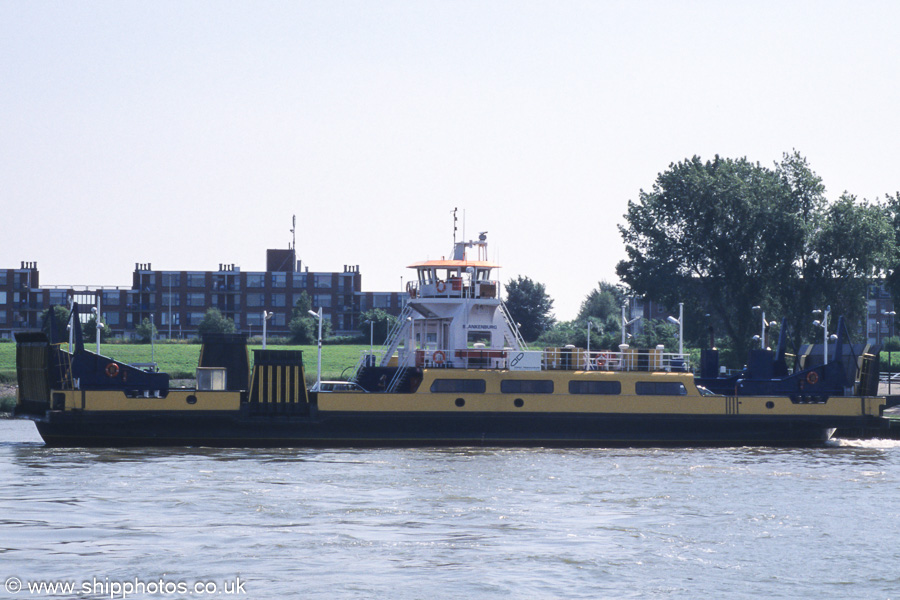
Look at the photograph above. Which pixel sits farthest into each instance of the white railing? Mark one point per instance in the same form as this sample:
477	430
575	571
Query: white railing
549	359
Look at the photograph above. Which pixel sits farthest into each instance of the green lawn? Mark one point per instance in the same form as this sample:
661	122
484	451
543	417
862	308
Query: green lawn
180	360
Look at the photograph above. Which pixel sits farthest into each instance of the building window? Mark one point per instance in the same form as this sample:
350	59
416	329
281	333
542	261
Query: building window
279	280
526	386
458	386
112	318
322	300
196	299
323	281
2	298
299	280
172	299
196	280
195	318
3	315
278	300
110	298
595	387
660	388
256	280
381	300
279	319
171	280
254	319
254	299
3	277
60	297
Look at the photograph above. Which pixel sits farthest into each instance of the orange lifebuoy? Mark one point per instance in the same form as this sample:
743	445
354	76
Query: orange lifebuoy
601	360
438	357
441	286
112	369
812	378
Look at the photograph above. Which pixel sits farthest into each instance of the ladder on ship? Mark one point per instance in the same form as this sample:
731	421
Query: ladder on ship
512	326
391	342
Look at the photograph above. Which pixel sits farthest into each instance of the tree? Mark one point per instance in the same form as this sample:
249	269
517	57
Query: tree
146	331
383	322
530	307
60	316
602	302
89	329
304	327
727	235
215	322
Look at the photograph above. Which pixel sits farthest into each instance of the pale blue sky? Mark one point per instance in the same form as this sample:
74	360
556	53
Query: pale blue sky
188	133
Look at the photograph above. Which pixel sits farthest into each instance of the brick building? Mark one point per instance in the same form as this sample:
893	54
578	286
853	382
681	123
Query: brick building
177	301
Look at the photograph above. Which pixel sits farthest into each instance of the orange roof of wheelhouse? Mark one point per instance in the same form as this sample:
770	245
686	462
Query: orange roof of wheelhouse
478	264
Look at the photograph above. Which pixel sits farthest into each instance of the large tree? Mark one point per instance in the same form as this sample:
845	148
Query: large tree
726	235
530	307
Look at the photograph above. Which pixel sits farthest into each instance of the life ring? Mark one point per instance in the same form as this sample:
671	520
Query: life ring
438	357
601	360
441	286
812	378
112	369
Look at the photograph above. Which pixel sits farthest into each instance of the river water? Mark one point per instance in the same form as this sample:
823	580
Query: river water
450	523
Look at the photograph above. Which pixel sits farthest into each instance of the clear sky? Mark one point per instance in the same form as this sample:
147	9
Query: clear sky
186	134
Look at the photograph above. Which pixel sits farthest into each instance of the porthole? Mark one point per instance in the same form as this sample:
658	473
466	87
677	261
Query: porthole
460	402
192	399
519	402
770	404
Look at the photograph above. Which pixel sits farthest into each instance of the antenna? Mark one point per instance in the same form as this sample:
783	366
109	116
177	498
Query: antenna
454	227
294	233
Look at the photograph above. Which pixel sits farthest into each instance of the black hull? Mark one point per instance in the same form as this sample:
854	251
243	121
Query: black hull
229	429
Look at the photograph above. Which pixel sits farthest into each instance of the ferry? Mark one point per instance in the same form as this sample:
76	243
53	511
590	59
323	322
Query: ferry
454	371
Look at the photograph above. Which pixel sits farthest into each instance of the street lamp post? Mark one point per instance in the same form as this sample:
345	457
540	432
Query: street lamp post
371	324
152	345
680	322
589	326
762	333
318	315
265	317
890	314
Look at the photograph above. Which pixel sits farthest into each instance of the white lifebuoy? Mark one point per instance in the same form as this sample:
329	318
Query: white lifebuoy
438	357
441	286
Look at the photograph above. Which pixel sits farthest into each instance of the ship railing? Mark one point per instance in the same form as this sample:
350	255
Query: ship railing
571	358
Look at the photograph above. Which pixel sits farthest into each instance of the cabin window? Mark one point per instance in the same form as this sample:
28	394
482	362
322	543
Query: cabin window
470	386
601	388
526	386
660	388
479	337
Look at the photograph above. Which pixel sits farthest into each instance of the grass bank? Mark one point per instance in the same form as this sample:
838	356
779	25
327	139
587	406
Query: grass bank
180	360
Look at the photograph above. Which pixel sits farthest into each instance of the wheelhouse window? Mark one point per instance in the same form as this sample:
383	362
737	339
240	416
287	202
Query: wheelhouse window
457	386
526	386
660	388
600	388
